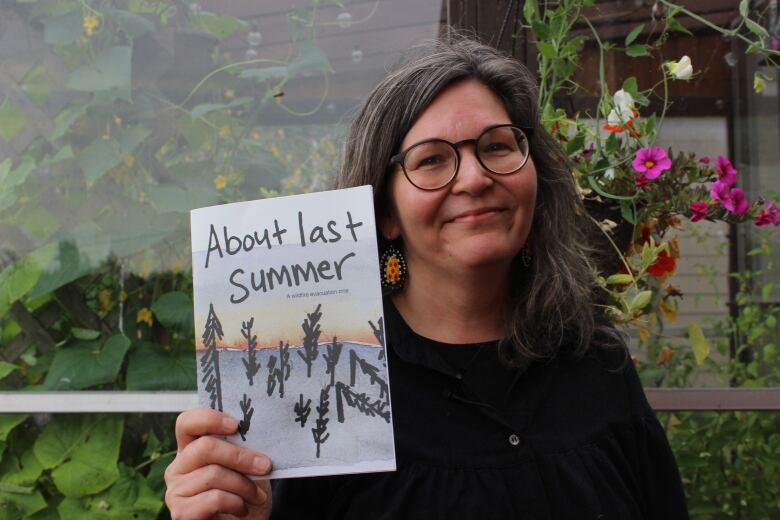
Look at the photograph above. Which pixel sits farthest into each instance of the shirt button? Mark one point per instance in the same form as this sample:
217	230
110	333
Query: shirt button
514	440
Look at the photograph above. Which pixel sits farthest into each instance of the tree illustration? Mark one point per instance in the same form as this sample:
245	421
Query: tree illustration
302	410
209	362
311	336
332	359
278	375
368	369
379	334
247	410
250	363
361	402
321	425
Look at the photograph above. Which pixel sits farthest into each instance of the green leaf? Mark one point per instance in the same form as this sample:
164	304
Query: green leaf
174	310
156	474
202	110
640	301
93	463
756	29
637	50
129	497
195	131
62	30
133	25
220	26
575	144
36	86
620	279
630	85
743	8
6	368
309	58
78	252
264	73
627	212
61	436
85	334
8	422
109	74
12	119
17	279
19	505
676	26
635	32
541	29
530	10
65	119
546	50
86	363
151	367
21	471
699	344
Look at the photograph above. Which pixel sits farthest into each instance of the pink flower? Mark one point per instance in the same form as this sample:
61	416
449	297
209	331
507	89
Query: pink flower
736	203
726	171
641	180
770	214
698	210
651	162
705	159
719	191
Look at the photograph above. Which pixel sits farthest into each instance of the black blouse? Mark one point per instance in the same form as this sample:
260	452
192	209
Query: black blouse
565	439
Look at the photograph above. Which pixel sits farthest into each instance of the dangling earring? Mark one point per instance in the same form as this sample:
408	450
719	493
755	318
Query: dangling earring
392	267
526	252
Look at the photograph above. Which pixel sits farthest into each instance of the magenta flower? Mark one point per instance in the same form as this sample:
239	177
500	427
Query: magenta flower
736	203
719	191
698	210
769	214
726	171
651	162
705	159
641	180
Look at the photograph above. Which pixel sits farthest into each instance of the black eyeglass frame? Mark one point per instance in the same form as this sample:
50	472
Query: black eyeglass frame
399	158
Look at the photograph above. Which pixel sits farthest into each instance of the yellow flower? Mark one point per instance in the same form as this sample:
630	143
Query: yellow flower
229	93
91	22
255	135
122	296
130	160
224	132
275	151
664	356
141	196
220	181
104	297
144	316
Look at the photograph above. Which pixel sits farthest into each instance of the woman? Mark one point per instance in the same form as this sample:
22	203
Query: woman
511	398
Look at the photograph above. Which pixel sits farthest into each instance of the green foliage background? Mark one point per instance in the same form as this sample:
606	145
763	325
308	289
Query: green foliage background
95	205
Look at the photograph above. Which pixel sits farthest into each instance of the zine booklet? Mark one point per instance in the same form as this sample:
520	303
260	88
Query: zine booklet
290	337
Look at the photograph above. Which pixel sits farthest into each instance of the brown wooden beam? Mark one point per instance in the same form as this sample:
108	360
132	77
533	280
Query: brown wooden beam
714	399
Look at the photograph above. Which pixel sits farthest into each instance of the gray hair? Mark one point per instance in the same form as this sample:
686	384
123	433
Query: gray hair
552	299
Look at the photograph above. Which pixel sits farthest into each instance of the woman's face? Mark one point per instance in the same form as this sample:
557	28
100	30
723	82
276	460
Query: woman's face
479	219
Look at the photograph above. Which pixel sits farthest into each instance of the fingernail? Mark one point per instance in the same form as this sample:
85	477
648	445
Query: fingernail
230	424
262	465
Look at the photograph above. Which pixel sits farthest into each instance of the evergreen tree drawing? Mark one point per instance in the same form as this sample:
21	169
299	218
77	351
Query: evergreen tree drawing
368	369
247	410
311	335
209	362
278	375
379	334
302	410
319	431
332	359
250	363
361	402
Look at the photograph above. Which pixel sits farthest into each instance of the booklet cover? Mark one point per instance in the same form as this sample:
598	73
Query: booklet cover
289	330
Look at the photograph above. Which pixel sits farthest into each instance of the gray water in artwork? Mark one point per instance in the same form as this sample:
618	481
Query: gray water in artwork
363	435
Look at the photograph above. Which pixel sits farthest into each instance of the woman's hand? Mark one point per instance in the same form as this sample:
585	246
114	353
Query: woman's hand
207	477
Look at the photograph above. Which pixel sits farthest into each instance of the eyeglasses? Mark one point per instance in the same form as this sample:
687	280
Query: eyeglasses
433	163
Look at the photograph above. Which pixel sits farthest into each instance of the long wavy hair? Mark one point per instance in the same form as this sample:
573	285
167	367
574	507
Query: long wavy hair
552	299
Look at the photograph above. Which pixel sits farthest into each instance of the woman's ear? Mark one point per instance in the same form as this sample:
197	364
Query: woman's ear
387	221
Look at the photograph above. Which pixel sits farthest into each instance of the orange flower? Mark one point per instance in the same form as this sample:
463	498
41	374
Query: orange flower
663	265
392	270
